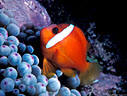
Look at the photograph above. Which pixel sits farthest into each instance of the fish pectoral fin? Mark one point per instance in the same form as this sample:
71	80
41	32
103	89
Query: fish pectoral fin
48	67
68	72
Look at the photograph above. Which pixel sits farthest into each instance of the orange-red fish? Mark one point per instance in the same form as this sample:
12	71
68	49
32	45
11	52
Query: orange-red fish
64	46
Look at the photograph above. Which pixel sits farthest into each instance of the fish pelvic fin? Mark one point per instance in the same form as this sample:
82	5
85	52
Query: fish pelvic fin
48	67
90	74
68	72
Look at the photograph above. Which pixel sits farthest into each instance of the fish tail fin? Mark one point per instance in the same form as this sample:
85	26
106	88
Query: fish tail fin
48	67
90	74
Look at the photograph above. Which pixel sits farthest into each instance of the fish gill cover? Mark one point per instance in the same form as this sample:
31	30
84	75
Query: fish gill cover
21	61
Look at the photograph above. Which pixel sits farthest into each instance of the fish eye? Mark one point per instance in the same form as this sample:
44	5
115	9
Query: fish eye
55	30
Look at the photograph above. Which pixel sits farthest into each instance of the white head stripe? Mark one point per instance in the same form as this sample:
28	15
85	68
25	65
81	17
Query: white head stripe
60	36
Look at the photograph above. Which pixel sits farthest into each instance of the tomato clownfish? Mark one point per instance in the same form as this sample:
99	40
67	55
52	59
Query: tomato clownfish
64	46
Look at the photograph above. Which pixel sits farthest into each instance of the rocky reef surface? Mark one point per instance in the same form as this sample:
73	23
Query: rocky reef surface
25	11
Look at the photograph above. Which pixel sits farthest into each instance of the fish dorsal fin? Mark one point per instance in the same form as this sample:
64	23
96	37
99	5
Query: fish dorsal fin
88	46
48	67
60	36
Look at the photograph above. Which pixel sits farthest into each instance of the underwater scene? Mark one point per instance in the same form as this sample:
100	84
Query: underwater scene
52	48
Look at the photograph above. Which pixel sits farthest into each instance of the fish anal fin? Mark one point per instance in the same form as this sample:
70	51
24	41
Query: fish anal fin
48	67
90	74
68	72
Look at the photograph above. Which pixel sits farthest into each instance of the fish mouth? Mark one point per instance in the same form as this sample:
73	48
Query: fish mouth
60	36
